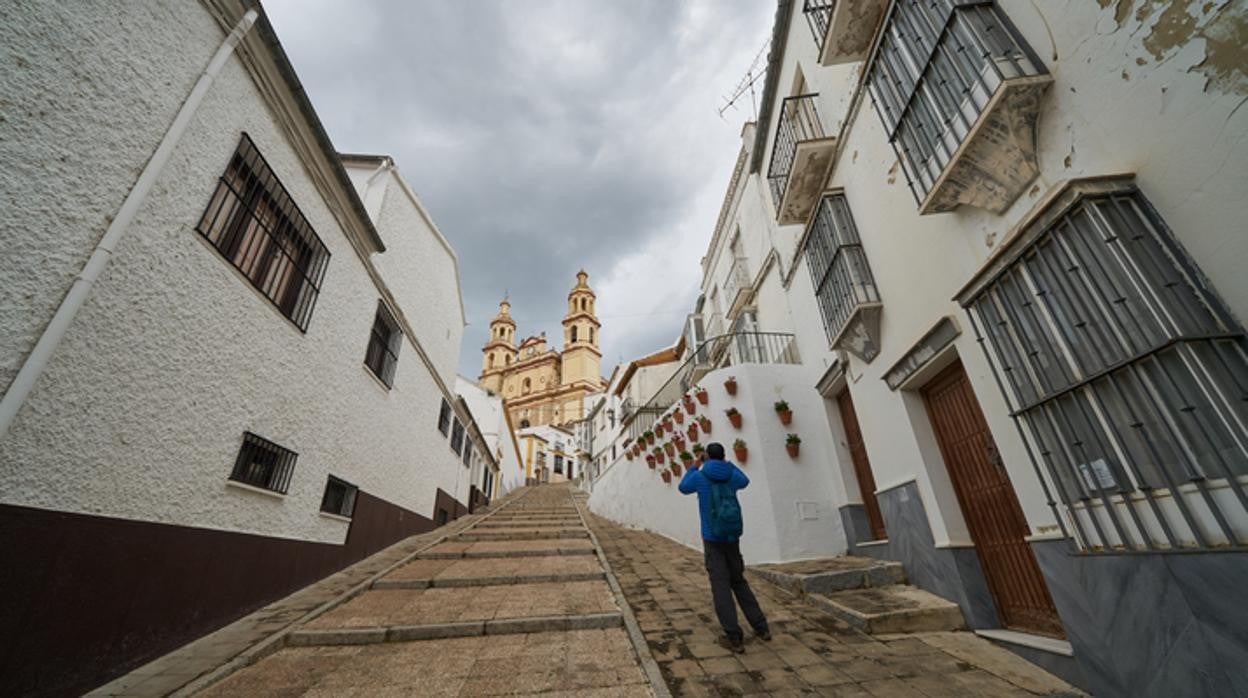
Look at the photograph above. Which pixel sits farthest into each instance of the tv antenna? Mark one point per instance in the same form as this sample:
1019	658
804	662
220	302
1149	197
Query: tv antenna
756	71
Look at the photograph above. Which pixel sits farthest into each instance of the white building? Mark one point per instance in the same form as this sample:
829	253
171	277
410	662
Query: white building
258	388
1008	251
499	436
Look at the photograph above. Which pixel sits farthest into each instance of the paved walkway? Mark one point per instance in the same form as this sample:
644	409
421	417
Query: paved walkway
811	653
516	604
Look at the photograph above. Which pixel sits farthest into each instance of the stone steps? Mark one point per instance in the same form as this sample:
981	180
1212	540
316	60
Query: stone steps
487	581
832	574
481	554
525	523
513	534
891	609
438	631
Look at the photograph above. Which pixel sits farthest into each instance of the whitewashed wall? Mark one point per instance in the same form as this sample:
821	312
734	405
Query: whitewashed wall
631	493
141	412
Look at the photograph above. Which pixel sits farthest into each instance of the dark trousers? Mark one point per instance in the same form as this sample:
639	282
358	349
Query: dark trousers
727	573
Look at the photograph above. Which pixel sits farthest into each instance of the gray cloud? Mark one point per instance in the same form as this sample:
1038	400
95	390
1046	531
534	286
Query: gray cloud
544	137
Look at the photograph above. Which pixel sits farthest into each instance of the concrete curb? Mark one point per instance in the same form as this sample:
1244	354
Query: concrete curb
278	640
638	639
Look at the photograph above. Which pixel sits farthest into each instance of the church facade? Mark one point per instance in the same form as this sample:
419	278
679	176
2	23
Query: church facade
539	384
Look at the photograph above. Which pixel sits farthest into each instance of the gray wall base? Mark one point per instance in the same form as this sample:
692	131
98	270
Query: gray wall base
1065	668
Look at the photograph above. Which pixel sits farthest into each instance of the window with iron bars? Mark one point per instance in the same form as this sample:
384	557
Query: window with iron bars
262	463
467	452
444	417
339	497
838	266
383	346
457	436
252	221
1128	375
938	64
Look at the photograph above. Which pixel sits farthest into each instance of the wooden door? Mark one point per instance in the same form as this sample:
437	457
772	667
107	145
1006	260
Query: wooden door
988	502
862	466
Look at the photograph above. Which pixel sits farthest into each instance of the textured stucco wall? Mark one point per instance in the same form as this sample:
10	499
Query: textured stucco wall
141	412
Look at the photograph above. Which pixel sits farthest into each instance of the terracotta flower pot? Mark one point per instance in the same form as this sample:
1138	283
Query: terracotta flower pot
786	417
705	424
703	396
659	456
693	432
629	453
792	449
679	440
742	454
686	461
689	405
649	438
680	417
676	469
735	420
670	448
650	462
667	476
731	386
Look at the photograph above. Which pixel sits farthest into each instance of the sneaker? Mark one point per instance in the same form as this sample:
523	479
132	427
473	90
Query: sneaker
735	644
765	636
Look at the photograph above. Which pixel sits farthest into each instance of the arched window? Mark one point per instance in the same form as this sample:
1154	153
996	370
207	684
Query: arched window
524	424
574	333
491	360
509	359
526	386
591	334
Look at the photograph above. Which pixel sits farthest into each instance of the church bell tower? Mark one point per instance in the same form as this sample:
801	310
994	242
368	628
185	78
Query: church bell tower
499	350
581	360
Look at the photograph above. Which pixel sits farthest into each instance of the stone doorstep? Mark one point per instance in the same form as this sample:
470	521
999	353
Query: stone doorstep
892	609
537	534
472	554
486	581
876	573
440	631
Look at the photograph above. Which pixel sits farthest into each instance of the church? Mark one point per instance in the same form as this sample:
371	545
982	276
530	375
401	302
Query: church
541	385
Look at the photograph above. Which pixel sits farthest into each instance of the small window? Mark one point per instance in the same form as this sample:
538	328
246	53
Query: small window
383	346
591	334
574	333
444	417
441	517
339	497
252	221
457	437
558	464
262	463
468	452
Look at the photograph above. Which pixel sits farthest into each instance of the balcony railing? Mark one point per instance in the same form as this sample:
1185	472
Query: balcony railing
730	350
959	103
737	284
844	286
799	122
843	29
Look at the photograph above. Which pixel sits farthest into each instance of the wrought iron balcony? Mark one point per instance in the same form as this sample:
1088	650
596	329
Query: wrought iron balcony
729	350
843	29
801	157
737	286
959	102
844	287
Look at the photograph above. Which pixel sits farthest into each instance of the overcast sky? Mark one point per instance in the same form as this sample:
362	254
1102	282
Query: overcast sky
545	137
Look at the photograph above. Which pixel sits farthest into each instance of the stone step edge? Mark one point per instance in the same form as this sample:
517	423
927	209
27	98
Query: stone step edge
501	580
866	622
529	524
441	631
527	535
885	574
478	554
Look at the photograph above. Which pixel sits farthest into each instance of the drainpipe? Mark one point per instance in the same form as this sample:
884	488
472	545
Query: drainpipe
45	347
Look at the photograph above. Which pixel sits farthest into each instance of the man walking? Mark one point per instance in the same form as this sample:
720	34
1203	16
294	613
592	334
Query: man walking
716	482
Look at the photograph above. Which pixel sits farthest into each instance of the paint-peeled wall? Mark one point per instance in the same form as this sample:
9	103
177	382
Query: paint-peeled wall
788	507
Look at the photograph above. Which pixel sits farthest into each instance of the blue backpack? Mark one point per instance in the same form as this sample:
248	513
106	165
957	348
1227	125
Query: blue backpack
726	521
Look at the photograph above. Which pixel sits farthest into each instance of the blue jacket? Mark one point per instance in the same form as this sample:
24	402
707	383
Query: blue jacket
700	481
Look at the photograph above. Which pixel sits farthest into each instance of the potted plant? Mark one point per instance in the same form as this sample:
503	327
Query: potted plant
703	396
693	431
731	385
658	430
649	437
686	458
667	476
740	450
679	440
689	406
792	443
705	423
676	469
734	417
629	454
650	460
667	422
670	448
658	455
698	450
786	415
680	417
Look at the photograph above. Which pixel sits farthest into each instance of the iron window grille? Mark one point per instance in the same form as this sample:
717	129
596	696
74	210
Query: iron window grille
339	497
457	436
444	417
1128	377
838	266
938	64
467	460
383	346
262	463
255	225
799	122
819	18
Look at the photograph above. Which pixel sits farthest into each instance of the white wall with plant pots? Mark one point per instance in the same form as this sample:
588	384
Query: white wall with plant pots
791	506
